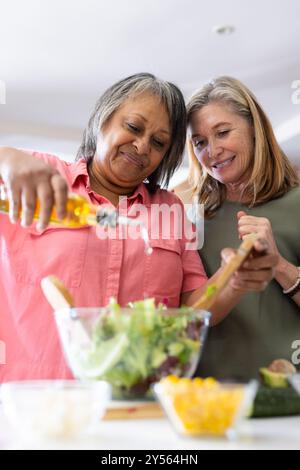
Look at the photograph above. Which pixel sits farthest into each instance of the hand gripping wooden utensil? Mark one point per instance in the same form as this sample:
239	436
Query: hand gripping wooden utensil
208	298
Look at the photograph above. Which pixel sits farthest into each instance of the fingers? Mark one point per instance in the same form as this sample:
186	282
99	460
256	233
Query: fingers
262	232
52	192
260	258
252	220
14	198
261	246
28	199
268	261
33	188
227	254
60	190
46	200
256	272
246	229
248	286
250	224
241	214
263	275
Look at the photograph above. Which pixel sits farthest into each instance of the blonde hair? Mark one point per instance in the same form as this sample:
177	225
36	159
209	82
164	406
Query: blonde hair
272	173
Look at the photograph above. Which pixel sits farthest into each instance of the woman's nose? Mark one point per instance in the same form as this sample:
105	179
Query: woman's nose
142	145
213	150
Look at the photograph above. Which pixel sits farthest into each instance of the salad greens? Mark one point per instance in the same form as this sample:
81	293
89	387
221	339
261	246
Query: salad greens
132	350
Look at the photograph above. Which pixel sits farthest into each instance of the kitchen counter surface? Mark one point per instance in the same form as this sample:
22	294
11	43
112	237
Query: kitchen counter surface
273	433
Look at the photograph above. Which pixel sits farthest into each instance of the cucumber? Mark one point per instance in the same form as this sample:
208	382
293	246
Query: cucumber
276	402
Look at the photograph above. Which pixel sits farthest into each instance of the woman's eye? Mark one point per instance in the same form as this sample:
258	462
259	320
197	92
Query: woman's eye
223	133
132	127
158	143
199	143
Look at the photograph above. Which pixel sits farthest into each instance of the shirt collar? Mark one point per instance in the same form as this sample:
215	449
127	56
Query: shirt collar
79	170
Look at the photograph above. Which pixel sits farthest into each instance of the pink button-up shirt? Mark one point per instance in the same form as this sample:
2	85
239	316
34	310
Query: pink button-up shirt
93	270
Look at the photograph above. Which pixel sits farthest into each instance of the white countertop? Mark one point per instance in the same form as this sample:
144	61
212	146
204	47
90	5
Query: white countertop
273	433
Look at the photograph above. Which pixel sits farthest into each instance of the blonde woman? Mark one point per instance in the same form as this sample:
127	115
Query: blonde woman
247	184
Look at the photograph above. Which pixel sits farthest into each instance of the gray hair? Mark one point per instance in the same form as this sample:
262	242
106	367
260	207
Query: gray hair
116	95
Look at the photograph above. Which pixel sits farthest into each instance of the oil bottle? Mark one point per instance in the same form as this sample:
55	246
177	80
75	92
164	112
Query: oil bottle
79	213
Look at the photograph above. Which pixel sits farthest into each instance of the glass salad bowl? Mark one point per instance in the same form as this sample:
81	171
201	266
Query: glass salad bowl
131	348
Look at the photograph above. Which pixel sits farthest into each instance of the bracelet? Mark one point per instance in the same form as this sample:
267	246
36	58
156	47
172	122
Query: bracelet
292	291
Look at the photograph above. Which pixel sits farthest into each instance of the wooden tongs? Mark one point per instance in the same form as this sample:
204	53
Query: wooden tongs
213	289
56	293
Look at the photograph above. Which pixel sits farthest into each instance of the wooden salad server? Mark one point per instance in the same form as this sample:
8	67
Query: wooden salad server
208	298
56	293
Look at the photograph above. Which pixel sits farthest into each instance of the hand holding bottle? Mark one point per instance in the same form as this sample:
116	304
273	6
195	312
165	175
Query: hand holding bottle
28	179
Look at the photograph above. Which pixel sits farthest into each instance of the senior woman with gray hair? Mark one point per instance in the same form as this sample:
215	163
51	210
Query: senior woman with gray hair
133	142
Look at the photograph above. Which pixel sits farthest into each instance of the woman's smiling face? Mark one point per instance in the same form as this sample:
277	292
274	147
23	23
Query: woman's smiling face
223	142
133	142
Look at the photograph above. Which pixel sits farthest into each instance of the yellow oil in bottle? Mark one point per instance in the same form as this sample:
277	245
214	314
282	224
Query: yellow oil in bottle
78	211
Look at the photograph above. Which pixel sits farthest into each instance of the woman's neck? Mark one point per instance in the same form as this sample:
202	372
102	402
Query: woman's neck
105	188
235	192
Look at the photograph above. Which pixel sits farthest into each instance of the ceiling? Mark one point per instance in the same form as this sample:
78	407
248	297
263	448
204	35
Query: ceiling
58	56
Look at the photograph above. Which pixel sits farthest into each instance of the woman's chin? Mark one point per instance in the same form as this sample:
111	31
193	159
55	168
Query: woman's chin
225	178
221	179
129	180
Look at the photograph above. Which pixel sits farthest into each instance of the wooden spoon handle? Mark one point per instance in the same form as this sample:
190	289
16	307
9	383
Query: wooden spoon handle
208	298
56	293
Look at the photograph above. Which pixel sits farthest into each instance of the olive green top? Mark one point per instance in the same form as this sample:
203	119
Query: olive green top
263	326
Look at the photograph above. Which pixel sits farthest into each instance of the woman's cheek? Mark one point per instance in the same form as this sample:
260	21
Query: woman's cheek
203	159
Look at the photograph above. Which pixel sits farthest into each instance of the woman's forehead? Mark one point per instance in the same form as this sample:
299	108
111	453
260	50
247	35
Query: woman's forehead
147	107
142	100
213	115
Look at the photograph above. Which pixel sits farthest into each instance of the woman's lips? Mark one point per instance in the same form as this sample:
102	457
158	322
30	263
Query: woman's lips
223	164
134	160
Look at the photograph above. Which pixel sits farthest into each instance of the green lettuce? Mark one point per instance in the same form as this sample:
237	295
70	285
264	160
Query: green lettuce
134	350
